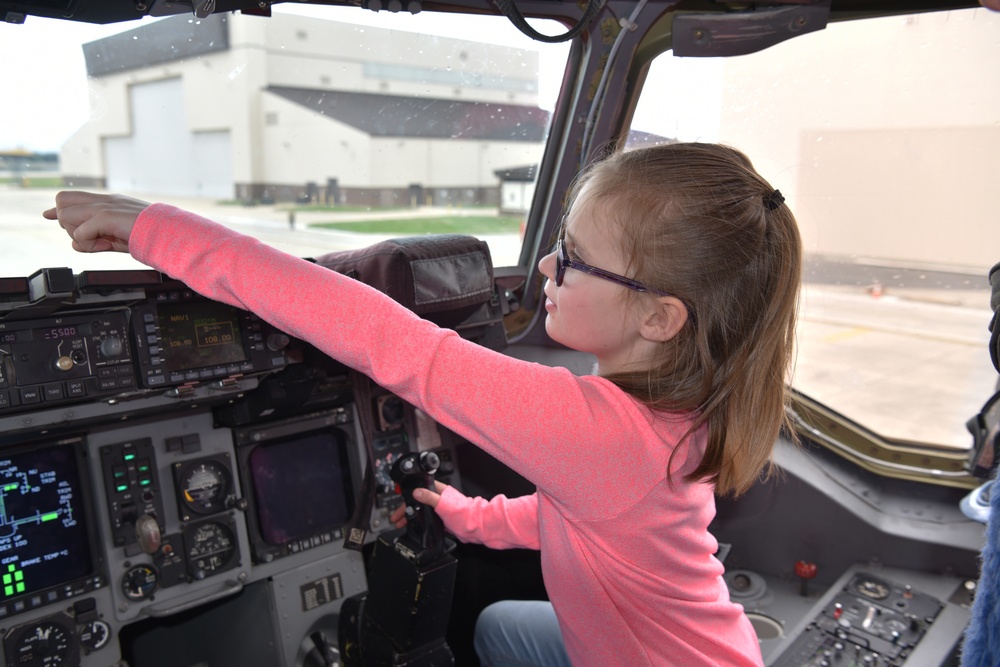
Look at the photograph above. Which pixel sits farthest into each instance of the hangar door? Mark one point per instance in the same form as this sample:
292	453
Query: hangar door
162	156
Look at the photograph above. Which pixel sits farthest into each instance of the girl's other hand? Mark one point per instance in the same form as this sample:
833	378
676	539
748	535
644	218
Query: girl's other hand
425	496
96	222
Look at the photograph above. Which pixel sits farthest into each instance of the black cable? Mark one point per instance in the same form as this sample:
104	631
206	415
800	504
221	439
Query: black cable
357	527
514	15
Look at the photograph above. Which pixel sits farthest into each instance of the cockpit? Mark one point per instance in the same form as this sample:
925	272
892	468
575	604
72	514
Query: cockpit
184	483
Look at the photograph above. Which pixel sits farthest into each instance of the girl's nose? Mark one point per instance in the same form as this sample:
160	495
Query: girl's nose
547	265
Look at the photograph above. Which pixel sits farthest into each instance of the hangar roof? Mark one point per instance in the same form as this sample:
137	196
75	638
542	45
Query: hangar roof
429	118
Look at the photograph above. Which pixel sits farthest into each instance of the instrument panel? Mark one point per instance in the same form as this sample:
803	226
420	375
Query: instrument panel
133	488
871	620
121	335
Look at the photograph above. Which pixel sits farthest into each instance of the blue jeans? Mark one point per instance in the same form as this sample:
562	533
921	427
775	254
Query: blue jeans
520	633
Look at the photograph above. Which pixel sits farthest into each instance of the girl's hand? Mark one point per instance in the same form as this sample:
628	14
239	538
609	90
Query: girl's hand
426	496
95	222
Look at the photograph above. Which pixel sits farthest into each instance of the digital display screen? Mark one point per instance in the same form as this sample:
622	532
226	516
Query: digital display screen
58	333
43	523
197	334
302	486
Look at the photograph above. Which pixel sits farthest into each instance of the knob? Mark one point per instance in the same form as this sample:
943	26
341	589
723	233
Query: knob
112	346
408	465
429	462
148	533
277	341
64	363
805	571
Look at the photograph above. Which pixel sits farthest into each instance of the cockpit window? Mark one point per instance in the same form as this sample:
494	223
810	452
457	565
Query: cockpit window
883	136
315	129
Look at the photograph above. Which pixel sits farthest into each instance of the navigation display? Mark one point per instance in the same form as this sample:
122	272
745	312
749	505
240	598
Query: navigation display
302	486
43	521
196	334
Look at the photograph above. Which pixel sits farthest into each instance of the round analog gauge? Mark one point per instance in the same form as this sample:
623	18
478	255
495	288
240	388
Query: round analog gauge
140	582
45	644
95	635
873	589
205	487
211	548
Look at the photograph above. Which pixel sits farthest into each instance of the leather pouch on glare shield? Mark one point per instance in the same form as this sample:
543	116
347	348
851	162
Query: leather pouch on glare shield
447	279
444	278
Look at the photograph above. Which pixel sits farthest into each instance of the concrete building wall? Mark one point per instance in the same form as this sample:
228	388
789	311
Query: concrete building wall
872	161
308	53
445	162
300	146
276	143
516	196
234	78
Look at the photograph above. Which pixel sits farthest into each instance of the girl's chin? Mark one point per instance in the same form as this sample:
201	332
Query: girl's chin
551	330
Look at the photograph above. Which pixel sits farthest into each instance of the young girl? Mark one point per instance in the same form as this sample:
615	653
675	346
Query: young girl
678	268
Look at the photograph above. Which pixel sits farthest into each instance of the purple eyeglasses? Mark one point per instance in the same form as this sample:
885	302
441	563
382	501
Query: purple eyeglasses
563	262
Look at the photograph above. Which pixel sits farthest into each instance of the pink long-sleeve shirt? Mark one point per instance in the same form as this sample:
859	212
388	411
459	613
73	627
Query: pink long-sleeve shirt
626	553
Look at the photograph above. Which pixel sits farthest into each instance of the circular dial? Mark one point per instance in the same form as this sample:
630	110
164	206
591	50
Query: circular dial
95	635
140	582
43	644
205	487
211	548
112	346
874	589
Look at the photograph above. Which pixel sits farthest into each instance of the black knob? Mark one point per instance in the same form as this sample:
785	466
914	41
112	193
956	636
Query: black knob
112	346
277	341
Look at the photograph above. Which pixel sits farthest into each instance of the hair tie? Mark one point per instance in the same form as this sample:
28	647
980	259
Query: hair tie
773	200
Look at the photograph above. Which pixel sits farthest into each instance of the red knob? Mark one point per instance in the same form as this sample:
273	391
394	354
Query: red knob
805	570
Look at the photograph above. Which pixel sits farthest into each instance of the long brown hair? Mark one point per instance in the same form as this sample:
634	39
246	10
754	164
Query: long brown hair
698	222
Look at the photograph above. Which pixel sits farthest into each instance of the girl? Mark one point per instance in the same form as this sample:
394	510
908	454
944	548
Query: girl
678	268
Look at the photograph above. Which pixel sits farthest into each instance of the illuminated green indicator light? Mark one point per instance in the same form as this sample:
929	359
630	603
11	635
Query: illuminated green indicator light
129	457
10	487
143	468
13	581
121	487
50	516
144	482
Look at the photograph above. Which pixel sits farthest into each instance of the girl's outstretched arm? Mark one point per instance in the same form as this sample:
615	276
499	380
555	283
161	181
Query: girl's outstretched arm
562	432
96	222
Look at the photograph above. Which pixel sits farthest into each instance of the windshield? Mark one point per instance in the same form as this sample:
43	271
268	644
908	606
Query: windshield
316	129
883	135
327	128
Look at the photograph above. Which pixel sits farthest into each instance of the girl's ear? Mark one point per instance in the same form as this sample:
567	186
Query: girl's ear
664	320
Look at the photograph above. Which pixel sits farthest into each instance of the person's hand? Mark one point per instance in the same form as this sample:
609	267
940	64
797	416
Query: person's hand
96	222
425	496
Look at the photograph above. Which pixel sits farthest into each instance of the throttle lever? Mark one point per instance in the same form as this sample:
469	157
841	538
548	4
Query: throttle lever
424	528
